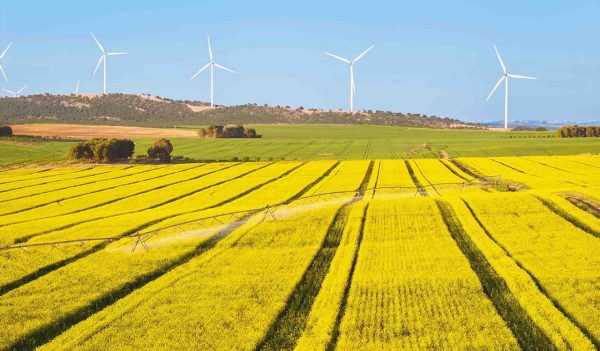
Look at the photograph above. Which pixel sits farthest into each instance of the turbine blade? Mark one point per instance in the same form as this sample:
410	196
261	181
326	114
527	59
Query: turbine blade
98	65
5	50
9	91
21	90
3	73
210	55
500	59
116	53
337	57
352	83
223	67
98	43
363	53
495	87
520	77
200	71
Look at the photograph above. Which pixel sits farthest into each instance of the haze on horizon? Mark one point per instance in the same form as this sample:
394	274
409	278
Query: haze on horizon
431	57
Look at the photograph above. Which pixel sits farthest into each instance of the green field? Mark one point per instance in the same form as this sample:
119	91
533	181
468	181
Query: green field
341	142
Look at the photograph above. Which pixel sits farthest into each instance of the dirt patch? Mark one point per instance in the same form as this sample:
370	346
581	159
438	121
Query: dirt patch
82	131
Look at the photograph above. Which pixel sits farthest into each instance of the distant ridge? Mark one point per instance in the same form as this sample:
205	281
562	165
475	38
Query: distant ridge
154	111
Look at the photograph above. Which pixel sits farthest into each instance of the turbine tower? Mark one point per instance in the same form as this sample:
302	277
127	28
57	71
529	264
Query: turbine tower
15	93
102	59
504	78
1	57
212	65
351	63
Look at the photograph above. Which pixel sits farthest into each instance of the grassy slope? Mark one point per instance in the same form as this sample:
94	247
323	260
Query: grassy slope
338	142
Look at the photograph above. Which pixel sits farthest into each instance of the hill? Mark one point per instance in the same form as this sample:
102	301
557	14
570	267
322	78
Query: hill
144	110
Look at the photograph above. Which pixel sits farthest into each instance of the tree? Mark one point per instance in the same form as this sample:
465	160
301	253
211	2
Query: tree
161	149
5	131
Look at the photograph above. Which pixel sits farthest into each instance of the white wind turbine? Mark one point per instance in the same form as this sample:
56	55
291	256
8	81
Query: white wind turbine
1	57
103	59
77	87
351	63
15	93
504	78
212	65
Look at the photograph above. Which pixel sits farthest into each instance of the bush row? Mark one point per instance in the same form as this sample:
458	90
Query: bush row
5	131
577	131
228	132
102	150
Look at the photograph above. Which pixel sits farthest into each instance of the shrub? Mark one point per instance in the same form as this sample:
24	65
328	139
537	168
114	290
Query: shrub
102	150
161	149
5	131
237	131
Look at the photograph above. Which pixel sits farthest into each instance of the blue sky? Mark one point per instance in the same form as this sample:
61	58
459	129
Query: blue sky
430	57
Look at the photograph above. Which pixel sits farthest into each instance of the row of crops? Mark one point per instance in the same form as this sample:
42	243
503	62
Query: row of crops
418	254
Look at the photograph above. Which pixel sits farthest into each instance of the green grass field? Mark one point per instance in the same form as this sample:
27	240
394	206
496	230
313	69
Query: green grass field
342	142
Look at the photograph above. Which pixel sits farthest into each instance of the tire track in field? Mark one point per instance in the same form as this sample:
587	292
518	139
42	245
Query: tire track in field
454	171
582	163
424	177
564	214
583	203
420	188
540	287
76	186
27	237
47	333
367	149
550	166
291	321
528	334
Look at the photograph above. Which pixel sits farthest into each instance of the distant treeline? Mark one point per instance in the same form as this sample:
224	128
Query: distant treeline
529	129
578	131
228	132
136	110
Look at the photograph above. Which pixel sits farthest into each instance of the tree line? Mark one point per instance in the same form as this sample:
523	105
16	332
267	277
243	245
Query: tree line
104	150
237	131
576	131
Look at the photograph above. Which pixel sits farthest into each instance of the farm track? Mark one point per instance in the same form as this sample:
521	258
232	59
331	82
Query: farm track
426	179
291	321
528	334
454	171
25	178
538	284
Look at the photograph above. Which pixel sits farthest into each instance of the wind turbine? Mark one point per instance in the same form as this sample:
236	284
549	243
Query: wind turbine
351	63
102	59
1	57
15	93
212	65
504	78
77	87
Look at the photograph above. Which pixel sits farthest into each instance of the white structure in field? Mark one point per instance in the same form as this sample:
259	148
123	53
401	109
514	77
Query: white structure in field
77	88
351	63
15	93
504	78
1	57
102	59
212	65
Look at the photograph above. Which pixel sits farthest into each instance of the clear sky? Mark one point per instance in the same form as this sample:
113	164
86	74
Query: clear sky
430	57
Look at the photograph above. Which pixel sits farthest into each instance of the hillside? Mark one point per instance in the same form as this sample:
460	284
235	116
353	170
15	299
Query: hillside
143	110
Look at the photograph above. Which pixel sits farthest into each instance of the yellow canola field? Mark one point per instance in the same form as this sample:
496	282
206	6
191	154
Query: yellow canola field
562	258
223	300
414	290
77	285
